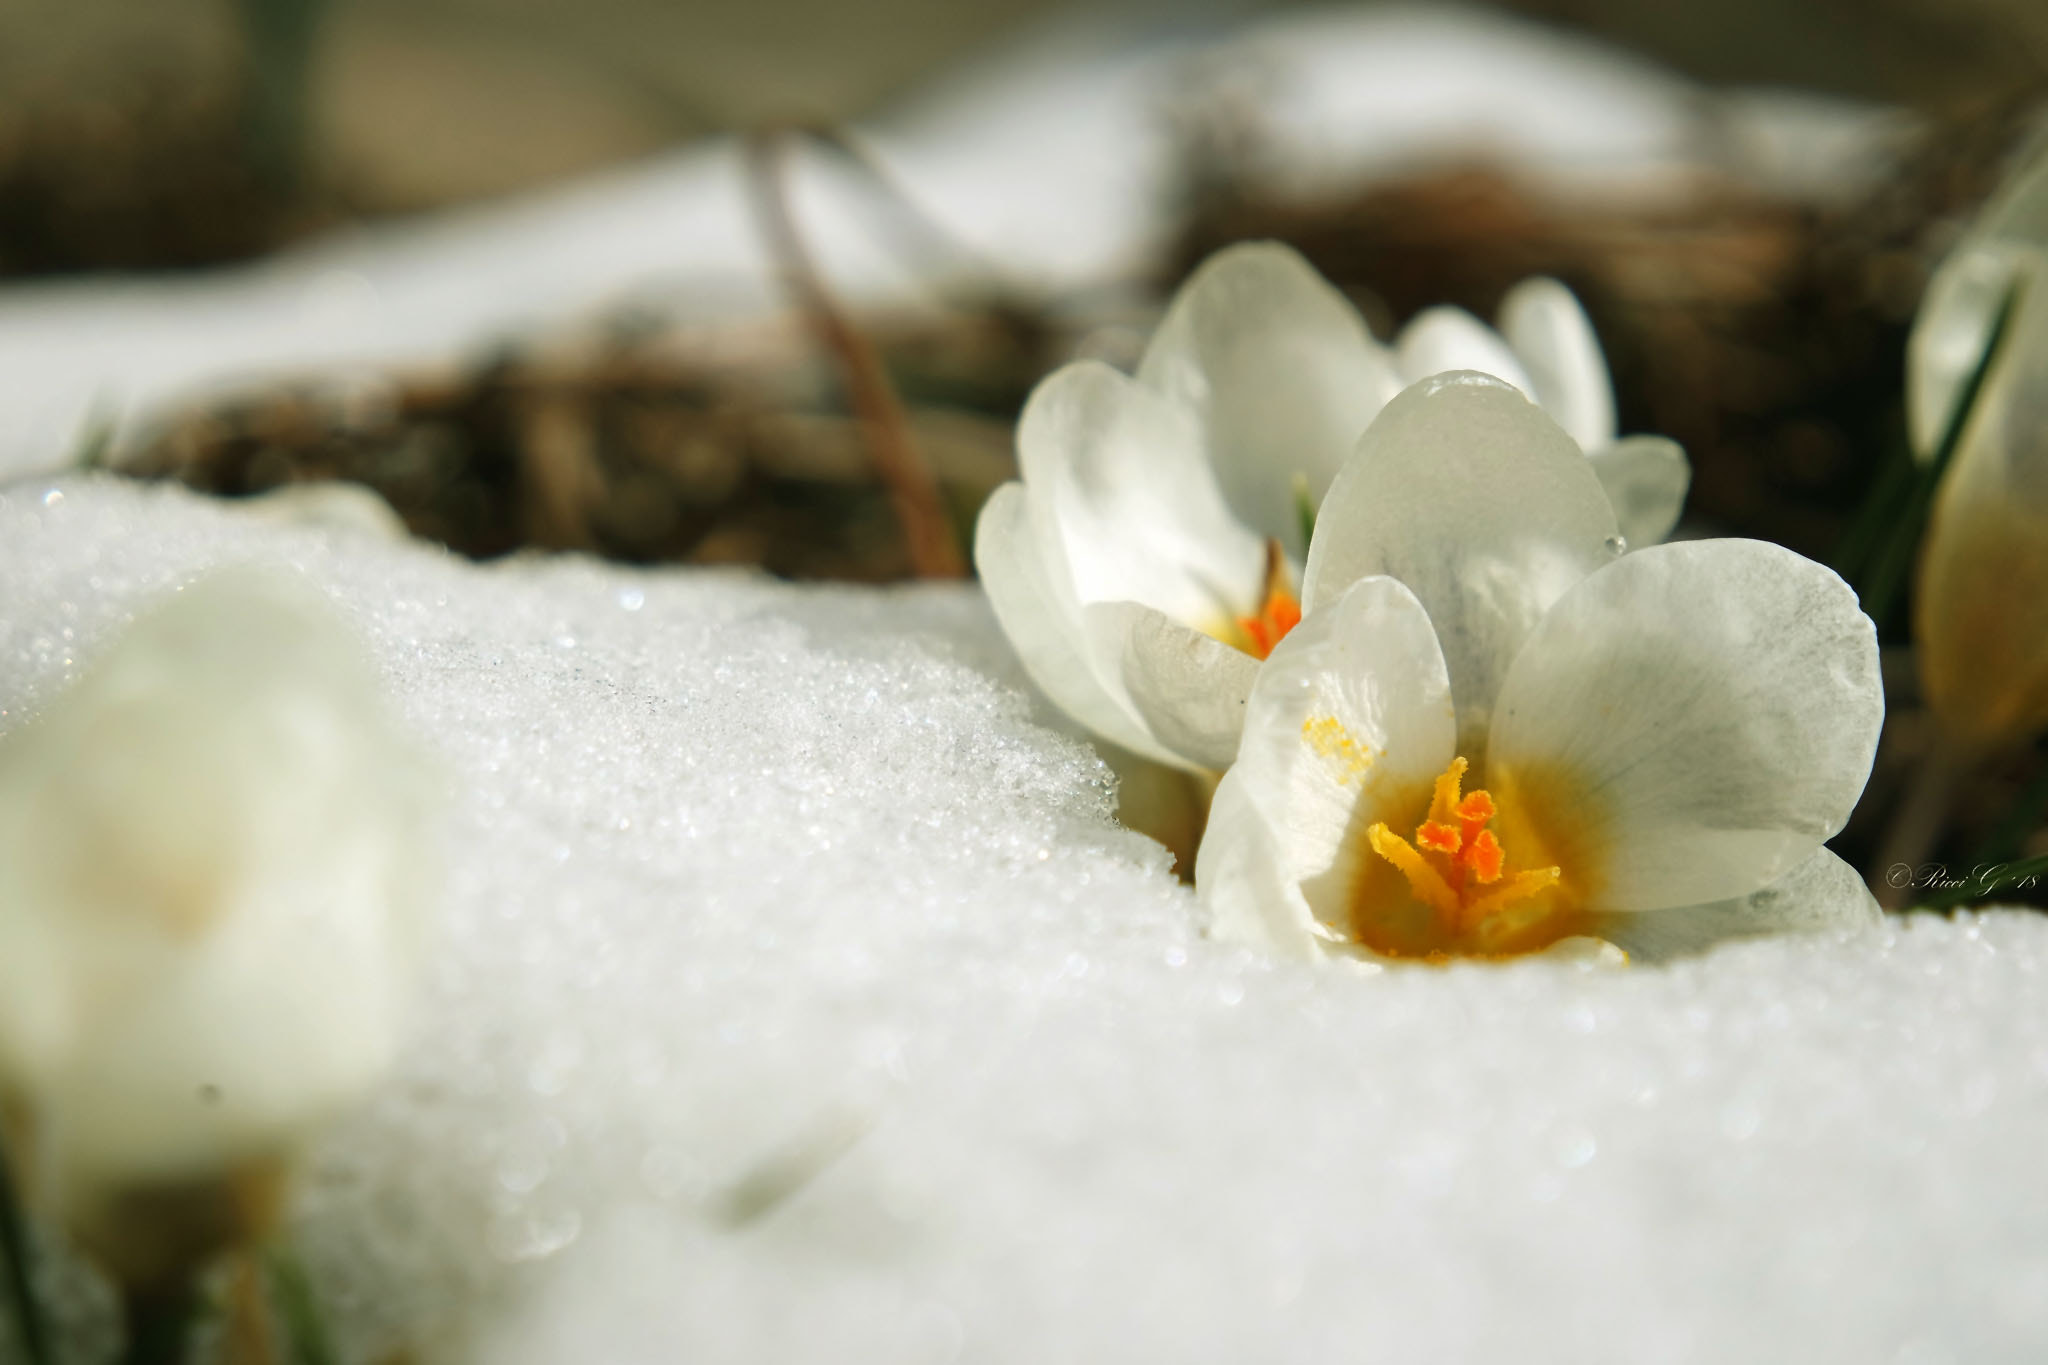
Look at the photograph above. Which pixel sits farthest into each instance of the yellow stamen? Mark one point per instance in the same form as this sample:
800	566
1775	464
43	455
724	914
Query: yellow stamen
1454	855
1443	804
1521	887
1430	888
1280	612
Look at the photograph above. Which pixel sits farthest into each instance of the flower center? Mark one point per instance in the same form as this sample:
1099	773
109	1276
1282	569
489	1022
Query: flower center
1280	613
1457	868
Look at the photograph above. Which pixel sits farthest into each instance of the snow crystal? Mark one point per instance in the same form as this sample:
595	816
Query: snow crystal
795	997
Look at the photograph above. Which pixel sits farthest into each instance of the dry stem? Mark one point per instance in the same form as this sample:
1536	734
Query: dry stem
913	491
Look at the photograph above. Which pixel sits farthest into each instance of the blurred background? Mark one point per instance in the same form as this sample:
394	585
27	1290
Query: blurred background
185	131
606	275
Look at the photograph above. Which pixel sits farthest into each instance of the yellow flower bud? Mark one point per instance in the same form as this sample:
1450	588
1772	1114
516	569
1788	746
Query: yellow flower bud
1981	610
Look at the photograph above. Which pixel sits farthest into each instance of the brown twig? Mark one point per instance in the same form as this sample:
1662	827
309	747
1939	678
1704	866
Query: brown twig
913	491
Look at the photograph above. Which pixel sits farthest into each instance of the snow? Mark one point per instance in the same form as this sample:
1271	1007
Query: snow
795	997
1056	160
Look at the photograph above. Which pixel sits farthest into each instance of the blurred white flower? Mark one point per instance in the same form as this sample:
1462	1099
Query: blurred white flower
1492	733
1546	348
331	505
1981	609
1148	558
215	860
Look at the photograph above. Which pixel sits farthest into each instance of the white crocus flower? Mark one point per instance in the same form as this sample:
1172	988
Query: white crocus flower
1546	347
1492	732
1981	609
1148	558
213	873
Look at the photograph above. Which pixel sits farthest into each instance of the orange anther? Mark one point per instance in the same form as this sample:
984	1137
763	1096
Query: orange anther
1477	806
1448	862
1281	611
1484	856
1440	838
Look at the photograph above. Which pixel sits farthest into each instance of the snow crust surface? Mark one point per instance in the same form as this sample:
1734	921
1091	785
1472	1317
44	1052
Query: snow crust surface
795	997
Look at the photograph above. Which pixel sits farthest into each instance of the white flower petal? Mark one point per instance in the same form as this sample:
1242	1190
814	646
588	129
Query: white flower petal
1189	688
216	862
1821	895
1554	339
1349	723
1446	338
330	506
1247	896
1028	588
1465	491
1279	369
1120	474
1646	478
1689	723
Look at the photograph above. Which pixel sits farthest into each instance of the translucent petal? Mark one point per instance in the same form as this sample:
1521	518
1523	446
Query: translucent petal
1821	895
1465	491
1554	339
1445	338
1349	723
1121	475
1188	688
1280	373
1689	724
1646	478
1246	895
1027	585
